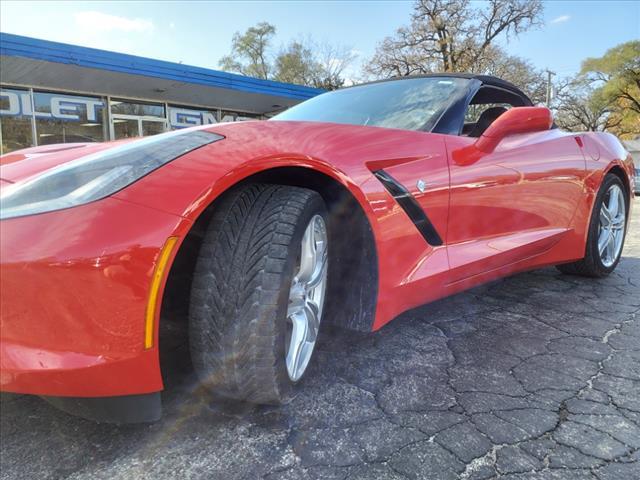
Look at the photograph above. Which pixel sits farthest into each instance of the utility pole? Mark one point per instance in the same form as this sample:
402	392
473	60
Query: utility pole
549	74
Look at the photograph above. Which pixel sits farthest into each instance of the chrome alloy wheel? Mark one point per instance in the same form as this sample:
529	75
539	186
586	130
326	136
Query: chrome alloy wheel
612	225
306	298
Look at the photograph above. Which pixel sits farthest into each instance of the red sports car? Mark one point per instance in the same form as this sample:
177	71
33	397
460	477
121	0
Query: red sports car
347	209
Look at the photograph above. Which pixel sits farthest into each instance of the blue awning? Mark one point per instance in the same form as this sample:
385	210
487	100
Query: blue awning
41	63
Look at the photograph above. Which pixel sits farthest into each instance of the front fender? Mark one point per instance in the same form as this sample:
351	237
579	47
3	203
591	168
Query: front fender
189	184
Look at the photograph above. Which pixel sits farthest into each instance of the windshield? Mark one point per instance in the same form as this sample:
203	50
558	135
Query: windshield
408	104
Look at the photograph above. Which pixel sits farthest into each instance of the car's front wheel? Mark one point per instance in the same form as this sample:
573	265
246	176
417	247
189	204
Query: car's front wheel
258	292
607	230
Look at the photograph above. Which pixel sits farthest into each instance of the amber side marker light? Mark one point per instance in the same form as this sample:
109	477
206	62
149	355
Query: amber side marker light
156	282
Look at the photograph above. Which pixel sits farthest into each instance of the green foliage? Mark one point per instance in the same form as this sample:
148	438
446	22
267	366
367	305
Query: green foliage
605	95
458	36
615	82
249	52
303	63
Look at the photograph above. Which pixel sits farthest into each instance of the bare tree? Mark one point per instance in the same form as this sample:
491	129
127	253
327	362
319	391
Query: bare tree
495	61
451	36
580	108
332	61
303	62
319	65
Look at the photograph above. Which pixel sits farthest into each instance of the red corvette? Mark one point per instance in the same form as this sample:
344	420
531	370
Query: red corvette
347	209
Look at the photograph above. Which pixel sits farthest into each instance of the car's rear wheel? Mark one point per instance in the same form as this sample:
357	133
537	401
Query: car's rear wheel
607	230
258	292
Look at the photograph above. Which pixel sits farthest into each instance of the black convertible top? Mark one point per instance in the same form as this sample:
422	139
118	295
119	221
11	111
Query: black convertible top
485	79
449	116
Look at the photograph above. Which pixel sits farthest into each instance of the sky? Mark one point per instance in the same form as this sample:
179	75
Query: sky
199	33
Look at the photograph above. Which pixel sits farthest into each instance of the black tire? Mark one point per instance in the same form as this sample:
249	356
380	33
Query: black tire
240	291
591	265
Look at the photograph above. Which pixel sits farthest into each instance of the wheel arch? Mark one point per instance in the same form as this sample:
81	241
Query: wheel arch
620	172
353	277
593	184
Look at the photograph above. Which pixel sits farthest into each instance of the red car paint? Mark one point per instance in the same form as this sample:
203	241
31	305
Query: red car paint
75	282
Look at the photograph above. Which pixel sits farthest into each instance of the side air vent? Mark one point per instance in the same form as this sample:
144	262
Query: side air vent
411	207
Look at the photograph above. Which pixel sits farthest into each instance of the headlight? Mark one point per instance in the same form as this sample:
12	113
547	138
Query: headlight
98	175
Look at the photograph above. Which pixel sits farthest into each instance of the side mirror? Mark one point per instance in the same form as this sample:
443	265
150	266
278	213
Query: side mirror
516	120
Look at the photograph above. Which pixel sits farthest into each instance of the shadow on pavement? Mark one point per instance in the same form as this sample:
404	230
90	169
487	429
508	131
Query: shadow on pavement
525	374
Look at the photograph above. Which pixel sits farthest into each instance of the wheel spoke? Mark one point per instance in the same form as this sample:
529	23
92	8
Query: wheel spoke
306	297
605	217
611	247
296	298
619	220
614	203
319	271
617	243
603	239
618	223
295	306
313	320
299	333
612	225
307	255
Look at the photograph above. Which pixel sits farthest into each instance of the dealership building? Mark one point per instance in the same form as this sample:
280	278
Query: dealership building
57	93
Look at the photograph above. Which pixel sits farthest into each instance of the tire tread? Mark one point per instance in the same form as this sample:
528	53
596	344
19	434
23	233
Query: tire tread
235	336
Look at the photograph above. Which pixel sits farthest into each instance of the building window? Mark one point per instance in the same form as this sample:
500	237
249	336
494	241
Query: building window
181	117
68	118
132	119
228	116
15	120
125	128
124	107
242	117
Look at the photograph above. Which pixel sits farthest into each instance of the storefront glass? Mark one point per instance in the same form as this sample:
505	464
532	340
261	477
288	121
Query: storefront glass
125	107
181	117
151	127
68	119
133	119
15	120
123	128
228	116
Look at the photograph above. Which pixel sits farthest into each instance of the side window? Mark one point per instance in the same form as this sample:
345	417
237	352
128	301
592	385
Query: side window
474	111
485	107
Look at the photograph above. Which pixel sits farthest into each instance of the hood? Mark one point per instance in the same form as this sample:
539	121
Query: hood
254	140
22	164
336	144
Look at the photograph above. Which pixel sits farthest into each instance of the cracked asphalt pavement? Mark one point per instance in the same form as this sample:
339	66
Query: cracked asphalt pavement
533	377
